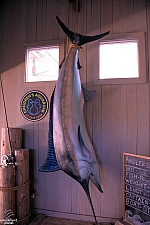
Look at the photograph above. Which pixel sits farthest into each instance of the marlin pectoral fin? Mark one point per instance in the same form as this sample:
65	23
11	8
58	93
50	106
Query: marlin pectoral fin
78	38
84	151
87	94
61	63
78	64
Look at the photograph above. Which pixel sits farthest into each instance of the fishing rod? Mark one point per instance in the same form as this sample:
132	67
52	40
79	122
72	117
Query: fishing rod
7	159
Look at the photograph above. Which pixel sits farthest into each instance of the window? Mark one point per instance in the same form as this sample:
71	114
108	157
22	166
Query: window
42	61
121	59
42	64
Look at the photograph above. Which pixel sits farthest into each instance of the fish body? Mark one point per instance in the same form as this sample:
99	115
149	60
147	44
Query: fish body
74	148
71	149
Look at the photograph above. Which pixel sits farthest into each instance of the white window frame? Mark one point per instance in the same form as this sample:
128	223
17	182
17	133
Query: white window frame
50	43
140	38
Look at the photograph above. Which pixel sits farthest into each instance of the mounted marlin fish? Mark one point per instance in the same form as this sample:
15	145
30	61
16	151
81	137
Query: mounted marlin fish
70	148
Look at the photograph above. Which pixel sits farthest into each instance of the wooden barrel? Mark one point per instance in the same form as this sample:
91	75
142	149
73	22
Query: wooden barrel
7	195
15	139
22	178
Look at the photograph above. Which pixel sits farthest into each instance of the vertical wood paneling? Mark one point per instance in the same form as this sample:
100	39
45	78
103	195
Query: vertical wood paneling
123	19
40	130
123	111
129	16
132	118
106	15
148	47
140	24
96	99
31	25
56	28
7	62
122	22
45	178
1	50
117	150
63	13
143	119
108	156
117	117
39	24
44	12
16	60
48	23
140	16
31	34
2	13
20	121
37	132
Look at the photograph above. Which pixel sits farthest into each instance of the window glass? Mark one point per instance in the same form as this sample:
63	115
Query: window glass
118	60
42	64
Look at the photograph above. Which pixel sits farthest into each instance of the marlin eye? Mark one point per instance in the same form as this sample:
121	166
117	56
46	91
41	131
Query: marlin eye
84	181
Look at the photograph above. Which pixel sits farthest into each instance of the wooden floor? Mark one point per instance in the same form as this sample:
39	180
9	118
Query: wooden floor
42	219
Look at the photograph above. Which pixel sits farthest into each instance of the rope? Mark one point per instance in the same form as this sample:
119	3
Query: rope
75	46
24	219
77	5
67	42
4	189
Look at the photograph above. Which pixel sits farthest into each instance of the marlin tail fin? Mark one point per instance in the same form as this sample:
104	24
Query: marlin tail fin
78	38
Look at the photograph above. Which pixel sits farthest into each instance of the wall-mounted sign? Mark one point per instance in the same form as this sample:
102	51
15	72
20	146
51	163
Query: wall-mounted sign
34	105
136	189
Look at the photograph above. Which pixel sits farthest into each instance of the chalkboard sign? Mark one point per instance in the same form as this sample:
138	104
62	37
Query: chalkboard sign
136	189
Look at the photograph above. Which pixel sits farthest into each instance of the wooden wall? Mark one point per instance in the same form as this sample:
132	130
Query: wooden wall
117	117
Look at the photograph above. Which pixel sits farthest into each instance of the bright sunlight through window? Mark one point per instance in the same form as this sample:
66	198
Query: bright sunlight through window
118	59
42	64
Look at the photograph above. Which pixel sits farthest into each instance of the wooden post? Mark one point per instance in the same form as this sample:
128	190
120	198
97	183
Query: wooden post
7	197
22	177
15	138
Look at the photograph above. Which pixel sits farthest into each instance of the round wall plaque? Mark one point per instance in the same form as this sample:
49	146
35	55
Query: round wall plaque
34	106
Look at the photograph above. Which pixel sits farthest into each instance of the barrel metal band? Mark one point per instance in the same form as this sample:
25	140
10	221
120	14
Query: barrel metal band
3	189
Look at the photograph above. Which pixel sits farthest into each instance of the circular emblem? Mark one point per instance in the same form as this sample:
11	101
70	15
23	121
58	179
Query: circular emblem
34	106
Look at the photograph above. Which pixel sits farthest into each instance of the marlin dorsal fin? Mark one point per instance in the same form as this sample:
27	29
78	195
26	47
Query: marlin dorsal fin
50	164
